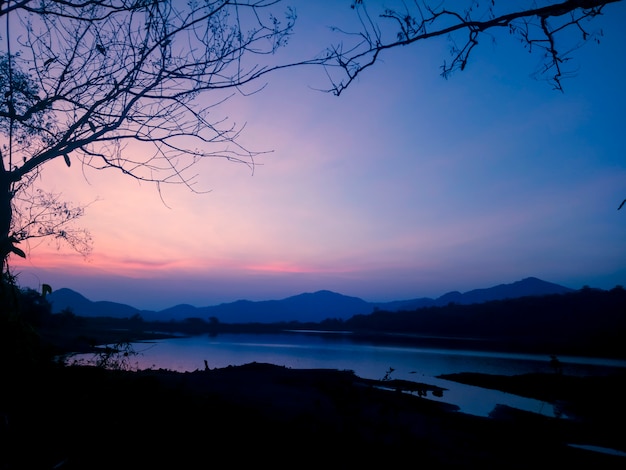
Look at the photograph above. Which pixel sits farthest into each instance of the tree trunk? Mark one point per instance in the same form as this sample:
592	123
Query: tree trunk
6	214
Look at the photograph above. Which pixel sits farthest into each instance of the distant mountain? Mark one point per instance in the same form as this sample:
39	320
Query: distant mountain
529	286
306	307
62	299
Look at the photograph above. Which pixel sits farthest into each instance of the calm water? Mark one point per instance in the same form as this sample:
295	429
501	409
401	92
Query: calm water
336	351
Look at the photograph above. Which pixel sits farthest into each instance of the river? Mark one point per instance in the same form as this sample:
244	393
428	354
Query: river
337	351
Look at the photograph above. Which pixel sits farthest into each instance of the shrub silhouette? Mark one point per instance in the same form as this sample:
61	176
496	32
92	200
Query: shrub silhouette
22	311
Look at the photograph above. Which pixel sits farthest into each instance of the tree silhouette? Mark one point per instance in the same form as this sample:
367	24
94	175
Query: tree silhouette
34	213
545	29
81	80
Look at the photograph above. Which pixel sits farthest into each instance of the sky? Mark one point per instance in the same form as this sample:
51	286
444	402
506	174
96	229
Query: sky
407	185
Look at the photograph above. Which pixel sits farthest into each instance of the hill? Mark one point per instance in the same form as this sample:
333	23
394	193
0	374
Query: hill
305	307
62	299
530	286
587	322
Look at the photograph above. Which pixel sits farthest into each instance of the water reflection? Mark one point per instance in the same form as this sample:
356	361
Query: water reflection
369	361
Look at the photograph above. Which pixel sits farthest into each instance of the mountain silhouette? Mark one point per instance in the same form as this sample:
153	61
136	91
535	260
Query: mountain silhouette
305	307
64	298
529	286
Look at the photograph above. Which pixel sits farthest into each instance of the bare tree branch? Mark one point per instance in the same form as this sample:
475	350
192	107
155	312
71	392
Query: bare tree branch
537	27
82	79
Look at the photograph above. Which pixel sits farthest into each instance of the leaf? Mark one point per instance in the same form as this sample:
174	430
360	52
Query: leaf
18	252
67	159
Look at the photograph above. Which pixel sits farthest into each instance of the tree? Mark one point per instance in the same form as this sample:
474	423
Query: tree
35	213
80	80
544	29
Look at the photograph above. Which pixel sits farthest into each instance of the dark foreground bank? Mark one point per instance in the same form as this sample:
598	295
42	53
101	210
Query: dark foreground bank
260	414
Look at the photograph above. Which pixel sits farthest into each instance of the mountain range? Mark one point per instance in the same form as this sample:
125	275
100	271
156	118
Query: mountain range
305	307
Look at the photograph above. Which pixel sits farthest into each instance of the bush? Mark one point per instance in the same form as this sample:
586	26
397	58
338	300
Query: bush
22	311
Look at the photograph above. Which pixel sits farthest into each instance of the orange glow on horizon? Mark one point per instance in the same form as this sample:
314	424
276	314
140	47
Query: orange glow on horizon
97	264
76	263
282	268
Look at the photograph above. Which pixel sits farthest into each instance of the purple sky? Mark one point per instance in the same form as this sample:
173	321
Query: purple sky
408	185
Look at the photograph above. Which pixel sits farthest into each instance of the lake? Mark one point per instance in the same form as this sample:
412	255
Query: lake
306	350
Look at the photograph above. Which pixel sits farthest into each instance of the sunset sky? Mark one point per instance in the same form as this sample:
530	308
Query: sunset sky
407	185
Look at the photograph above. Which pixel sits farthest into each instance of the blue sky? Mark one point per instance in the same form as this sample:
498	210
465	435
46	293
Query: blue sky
407	185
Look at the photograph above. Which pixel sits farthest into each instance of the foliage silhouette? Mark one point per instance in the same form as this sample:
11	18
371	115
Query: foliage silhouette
22	312
118	356
588	321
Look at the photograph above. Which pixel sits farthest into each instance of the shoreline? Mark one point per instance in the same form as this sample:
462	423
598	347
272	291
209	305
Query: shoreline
268	412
